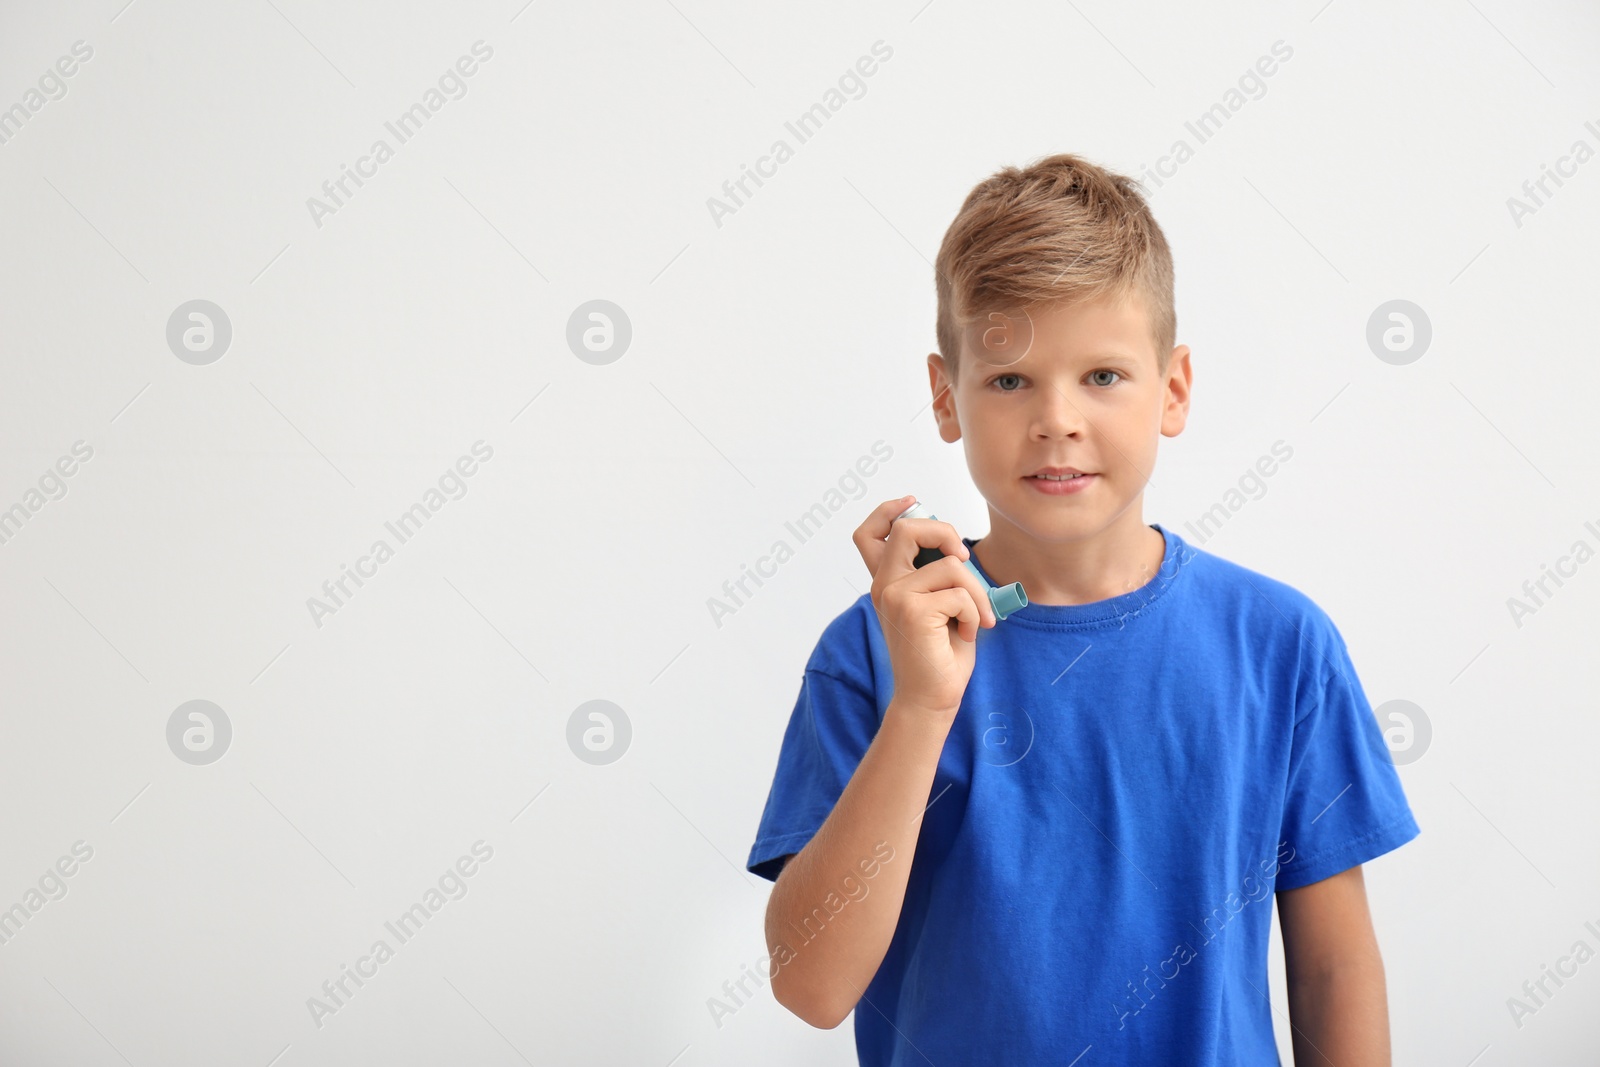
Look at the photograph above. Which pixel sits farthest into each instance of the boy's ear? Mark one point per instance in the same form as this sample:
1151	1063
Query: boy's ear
1180	375
944	399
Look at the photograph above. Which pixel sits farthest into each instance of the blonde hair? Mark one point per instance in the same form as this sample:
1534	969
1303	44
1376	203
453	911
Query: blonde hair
1061	230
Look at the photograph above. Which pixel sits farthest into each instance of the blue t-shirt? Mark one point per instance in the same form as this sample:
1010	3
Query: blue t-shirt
1125	785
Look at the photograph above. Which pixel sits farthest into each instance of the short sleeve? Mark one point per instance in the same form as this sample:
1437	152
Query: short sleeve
835	717
1344	803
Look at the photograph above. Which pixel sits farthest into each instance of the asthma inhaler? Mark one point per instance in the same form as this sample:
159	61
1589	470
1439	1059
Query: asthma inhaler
1004	600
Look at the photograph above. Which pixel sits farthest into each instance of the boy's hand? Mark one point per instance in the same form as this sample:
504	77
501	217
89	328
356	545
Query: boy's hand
930	614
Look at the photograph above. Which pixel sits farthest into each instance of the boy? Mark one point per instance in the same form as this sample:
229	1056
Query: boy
1054	850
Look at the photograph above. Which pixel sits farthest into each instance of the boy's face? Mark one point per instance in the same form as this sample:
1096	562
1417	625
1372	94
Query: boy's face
1063	386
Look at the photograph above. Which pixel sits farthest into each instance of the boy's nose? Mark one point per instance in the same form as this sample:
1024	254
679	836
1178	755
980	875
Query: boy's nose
1056	415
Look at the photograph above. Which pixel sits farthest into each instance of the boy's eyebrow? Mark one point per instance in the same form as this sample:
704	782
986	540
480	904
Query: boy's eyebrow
1115	355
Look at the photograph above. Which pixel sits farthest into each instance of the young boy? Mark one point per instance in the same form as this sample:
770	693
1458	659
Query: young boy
1055	849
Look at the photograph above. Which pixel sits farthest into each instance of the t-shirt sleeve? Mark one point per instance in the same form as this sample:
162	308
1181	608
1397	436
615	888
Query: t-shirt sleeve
1344	803
835	718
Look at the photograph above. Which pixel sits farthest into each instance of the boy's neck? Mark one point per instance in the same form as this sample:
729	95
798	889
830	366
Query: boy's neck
1119	559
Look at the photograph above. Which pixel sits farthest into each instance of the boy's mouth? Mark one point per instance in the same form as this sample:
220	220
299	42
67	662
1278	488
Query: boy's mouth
1058	474
1060	481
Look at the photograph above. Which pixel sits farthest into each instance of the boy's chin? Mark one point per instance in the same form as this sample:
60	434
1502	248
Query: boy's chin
1048	518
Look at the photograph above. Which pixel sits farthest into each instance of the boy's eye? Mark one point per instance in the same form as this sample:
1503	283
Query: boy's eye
1001	380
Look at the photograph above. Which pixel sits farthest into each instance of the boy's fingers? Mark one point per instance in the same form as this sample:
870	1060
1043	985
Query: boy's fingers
889	546
907	537
980	596
959	606
869	536
951	573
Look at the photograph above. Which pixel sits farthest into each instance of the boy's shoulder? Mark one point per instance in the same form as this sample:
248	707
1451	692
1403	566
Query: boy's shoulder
850	644
1266	611
1223	581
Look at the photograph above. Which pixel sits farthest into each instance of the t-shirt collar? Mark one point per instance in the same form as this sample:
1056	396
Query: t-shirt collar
1115	611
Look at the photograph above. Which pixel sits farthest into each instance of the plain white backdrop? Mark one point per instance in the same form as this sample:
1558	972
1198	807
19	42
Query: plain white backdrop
374	742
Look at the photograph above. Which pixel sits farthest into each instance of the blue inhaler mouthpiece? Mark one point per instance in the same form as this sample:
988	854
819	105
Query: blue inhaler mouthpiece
1004	600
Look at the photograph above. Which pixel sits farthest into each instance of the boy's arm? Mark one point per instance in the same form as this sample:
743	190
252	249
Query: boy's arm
1338	1001
821	979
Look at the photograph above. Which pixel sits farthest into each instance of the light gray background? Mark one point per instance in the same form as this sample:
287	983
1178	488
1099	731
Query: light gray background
768	355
